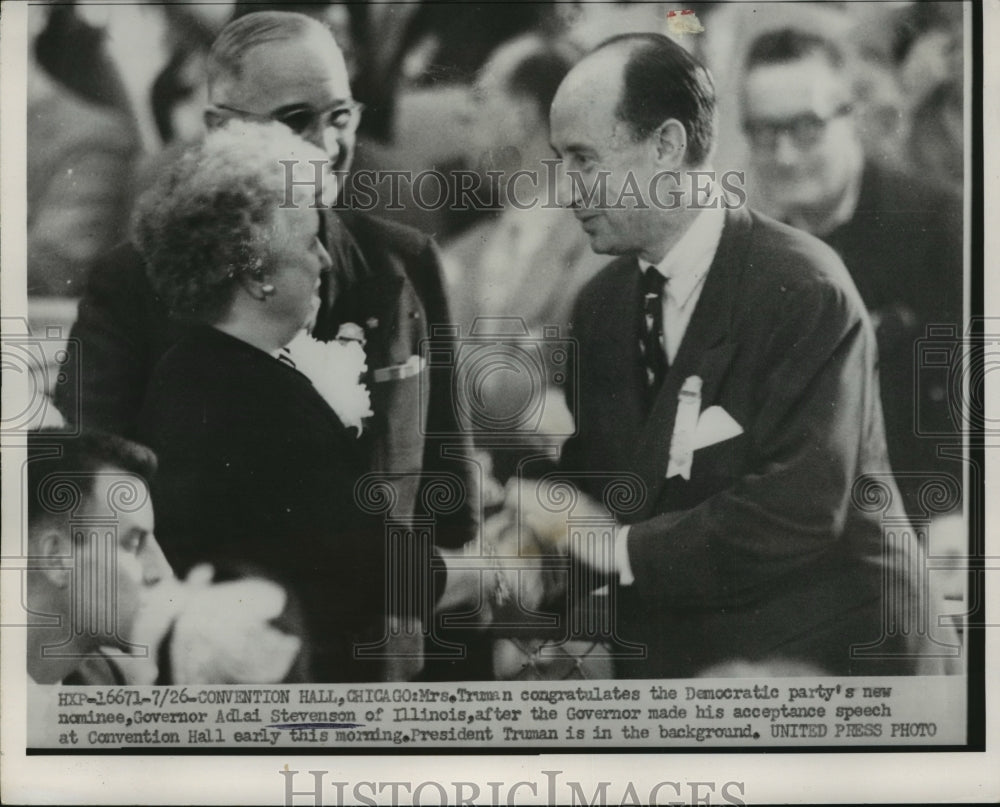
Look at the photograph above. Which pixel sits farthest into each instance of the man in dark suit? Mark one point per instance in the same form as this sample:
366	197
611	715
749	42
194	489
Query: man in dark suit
386	278
727	373
900	237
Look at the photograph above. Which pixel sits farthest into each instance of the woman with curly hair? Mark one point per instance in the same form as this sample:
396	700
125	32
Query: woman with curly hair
258	463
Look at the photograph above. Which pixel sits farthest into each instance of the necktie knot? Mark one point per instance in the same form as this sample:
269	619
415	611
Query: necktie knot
654	282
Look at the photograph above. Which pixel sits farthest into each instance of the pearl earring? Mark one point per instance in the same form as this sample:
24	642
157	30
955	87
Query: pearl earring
267	288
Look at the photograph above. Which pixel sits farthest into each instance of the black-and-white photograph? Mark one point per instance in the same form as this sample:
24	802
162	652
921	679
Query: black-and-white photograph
507	378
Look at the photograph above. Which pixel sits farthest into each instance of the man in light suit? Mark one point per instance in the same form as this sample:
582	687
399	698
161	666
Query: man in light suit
739	392
386	278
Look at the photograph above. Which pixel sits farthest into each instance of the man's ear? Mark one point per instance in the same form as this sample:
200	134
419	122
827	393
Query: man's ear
51	551
671	142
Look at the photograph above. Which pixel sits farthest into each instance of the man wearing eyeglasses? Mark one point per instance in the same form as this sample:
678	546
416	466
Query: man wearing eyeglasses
385	287
270	66
798	120
900	238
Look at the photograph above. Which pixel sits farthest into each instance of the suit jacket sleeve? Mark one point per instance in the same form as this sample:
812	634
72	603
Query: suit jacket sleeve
816	414
120	329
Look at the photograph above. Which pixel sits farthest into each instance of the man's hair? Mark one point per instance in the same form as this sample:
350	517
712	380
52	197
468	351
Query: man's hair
539	69
790	45
662	80
205	223
225	60
311	8
62	467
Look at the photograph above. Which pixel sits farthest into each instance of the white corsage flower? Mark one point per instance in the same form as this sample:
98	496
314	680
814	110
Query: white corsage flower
335	370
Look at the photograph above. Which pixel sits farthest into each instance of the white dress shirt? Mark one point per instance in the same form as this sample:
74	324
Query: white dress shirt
685	266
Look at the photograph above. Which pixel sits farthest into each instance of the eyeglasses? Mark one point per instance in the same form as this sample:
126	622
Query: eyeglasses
344	116
805	131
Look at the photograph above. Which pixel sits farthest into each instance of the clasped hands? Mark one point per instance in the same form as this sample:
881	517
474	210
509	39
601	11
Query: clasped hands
533	525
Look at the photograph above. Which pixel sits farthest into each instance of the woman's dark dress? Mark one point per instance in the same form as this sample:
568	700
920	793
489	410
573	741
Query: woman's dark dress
256	470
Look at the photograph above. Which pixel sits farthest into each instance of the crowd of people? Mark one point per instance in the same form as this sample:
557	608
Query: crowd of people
337	473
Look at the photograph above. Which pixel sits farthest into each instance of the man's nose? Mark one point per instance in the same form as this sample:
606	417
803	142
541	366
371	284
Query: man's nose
332	143
327	138
155	566
785	150
326	262
566	189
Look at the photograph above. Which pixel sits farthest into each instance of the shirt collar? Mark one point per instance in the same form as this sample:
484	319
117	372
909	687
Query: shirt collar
687	263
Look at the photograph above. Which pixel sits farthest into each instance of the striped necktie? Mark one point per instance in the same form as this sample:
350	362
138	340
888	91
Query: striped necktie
652	343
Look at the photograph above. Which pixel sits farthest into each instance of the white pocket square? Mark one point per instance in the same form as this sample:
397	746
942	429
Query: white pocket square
715	424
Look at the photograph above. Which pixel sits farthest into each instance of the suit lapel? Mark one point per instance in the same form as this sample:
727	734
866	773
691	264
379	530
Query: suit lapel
367	291
379	303
619	340
705	351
